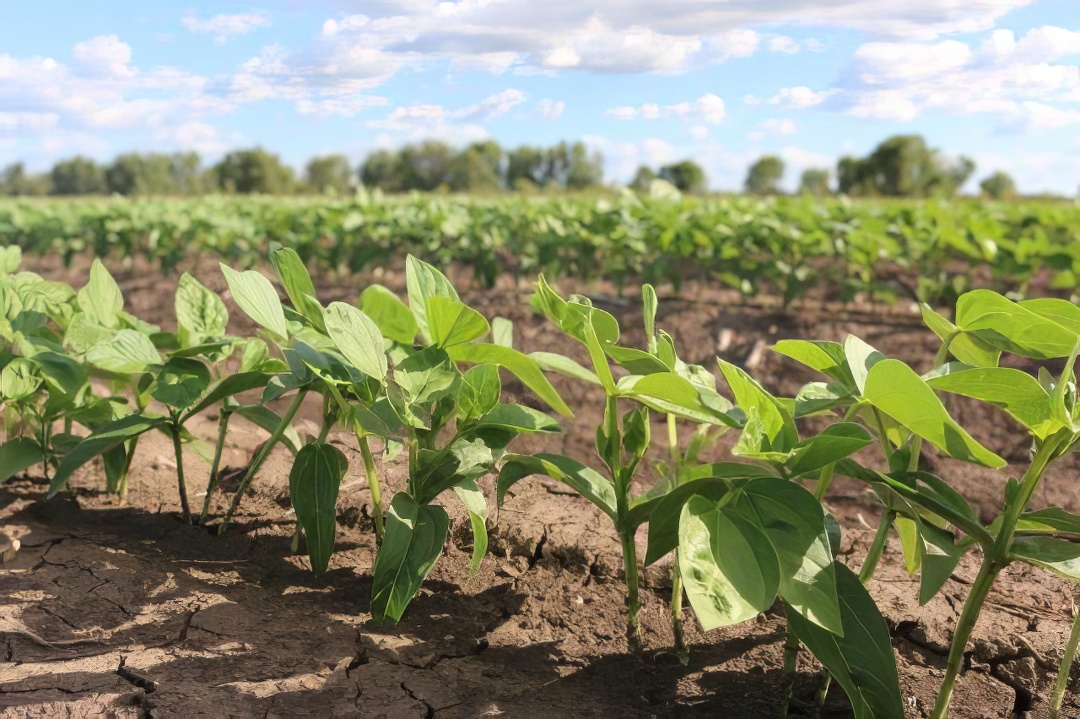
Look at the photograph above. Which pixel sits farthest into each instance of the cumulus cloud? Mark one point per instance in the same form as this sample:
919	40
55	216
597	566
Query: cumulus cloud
772	126
784	44
708	108
459	125
224	26
550	109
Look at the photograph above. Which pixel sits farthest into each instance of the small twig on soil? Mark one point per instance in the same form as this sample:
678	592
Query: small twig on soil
134	679
60	644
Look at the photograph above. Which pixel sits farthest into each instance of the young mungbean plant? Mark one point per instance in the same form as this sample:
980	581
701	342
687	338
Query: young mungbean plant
655	381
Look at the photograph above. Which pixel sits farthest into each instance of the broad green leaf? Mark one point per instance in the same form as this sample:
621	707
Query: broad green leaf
200	313
518	418
940	553
861	357
520	365
967	348
861	661
1013	327
439	470
18	380
427	375
228	387
1057	555
1048	521
586	481
476	505
833	444
269	420
357	338
181	382
669	393
127	352
825	357
664	513
777	423
1013	390
103	439
451	322
502	332
413	541
729	568
83	333
294	277
649	305
425	282
10	259
100	300
479	391
254	294
564	366
313	485
896	390
18	455
794	521
635	361
390	314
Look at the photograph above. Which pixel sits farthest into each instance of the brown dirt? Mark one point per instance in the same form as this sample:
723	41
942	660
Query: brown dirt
238	627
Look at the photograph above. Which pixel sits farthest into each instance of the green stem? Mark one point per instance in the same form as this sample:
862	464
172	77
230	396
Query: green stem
681	650
626	533
1057	694
993	562
215	467
791	668
373	486
122	490
877	547
174	430
257	462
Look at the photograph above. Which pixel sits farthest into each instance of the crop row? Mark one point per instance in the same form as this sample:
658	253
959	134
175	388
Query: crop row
81	378
925	250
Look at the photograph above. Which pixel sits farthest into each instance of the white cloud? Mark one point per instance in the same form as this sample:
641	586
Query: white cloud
891	105
103	56
550	109
699	132
708	108
416	122
224	26
784	44
882	62
798	97
772	126
16	121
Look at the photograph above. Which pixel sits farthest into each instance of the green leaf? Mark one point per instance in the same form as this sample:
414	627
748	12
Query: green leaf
452	323
413	541
794	521
777	423
635	361
729	568
502	332
313	485
103	439
586	481
826	357
861	357
267	419
670	393
254	294
664	513
479	392
390	314
425	282
357	338
1013	327
833	444
967	348
200	314
10	259
518	418
126	352
564	366
939	554
861	661
100	300
1014	391
427	375
294	277
1057	555
439	470
227	387
18	455
522	366
18	380
896	390
181	382
476	505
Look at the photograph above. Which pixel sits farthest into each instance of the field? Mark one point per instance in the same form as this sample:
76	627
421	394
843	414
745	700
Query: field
239	625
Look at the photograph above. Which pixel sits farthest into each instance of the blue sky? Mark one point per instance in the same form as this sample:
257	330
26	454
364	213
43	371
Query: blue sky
643	82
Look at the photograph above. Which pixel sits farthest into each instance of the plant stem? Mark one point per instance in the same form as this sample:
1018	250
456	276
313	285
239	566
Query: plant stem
122	490
877	547
1057	694
373	486
174	430
215	468
992	564
681	650
257	462
626	533
791	668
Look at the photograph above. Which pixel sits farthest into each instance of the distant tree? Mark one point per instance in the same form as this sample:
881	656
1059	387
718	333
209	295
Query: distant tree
643	179
16	181
251	171
329	174
687	176
141	174
187	173
77	176
426	166
763	177
477	168
383	169
903	166
814	181
583	170
998	186
526	165
854	177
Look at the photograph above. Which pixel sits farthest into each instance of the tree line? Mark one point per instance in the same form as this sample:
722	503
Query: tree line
901	166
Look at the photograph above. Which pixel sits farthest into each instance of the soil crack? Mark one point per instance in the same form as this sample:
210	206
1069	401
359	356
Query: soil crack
416	697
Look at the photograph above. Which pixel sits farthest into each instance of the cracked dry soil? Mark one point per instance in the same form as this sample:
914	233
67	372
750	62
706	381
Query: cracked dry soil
110	611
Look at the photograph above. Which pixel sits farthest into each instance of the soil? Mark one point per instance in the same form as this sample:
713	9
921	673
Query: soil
124	611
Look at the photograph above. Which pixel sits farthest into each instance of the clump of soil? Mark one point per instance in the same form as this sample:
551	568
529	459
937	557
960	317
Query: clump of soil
237	626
